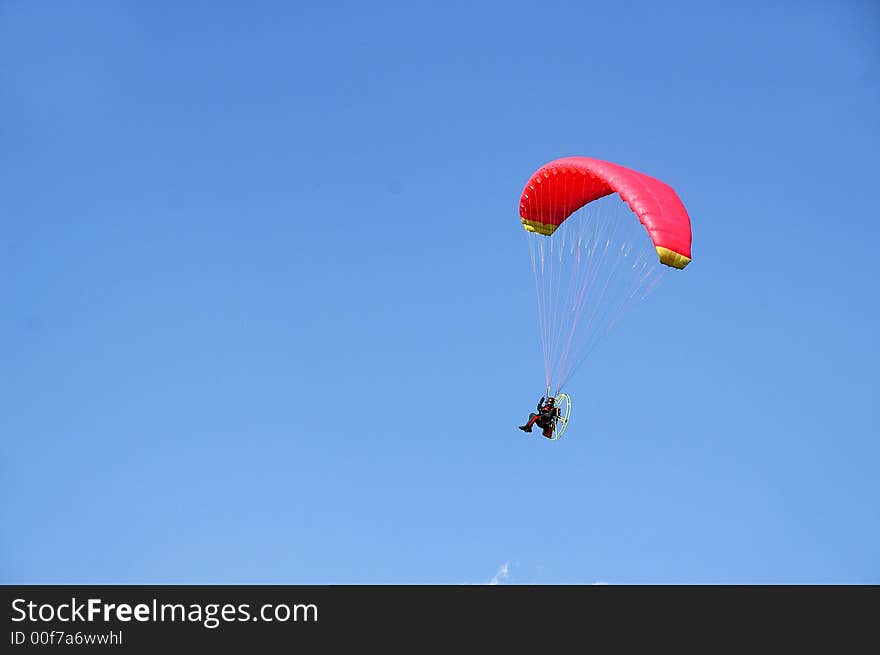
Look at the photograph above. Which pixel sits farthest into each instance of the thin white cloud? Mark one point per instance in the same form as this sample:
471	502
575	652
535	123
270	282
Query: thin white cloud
503	573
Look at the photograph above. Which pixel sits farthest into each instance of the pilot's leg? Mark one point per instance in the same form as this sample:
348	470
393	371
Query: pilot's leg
528	426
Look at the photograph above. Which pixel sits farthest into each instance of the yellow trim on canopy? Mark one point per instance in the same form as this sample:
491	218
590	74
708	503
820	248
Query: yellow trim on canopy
671	258
536	226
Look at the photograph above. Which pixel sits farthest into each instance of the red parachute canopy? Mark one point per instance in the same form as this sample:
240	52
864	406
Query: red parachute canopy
558	189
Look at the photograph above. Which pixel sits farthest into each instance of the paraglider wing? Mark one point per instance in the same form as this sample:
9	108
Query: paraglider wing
558	189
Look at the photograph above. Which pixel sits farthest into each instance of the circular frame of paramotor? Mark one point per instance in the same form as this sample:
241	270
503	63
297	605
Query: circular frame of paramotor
563	414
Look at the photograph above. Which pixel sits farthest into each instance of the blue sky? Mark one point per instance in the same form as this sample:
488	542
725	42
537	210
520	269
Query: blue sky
268	312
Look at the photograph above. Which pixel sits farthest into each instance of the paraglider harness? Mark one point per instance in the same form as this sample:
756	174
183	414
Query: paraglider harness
552	416
545	418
